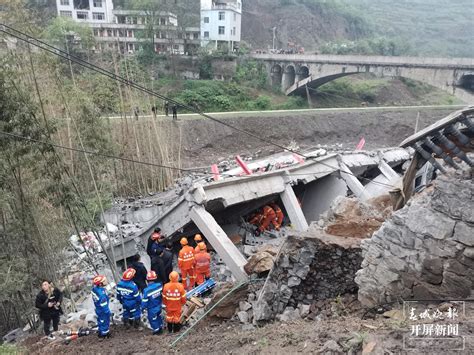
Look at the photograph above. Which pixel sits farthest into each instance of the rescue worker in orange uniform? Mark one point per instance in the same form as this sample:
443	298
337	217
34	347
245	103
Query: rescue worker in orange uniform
186	264
279	216
256	219
203	264
268	217
174	297
197	240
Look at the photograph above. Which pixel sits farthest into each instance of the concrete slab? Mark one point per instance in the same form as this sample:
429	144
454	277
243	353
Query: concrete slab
293	208
352	182
219	240
319	196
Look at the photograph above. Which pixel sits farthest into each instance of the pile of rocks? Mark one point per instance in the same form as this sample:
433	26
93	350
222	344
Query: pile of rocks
312	266
426	249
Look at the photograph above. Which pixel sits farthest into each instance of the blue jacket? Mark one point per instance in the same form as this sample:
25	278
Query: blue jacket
101	300
128	294
152	298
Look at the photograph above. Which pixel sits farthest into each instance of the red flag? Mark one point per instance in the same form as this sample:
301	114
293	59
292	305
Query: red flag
361	144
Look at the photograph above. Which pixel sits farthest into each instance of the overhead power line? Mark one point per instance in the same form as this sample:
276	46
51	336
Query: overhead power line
12	135
67	56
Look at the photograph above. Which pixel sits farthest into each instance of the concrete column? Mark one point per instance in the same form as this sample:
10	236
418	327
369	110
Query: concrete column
293	208
387	171
352	182
220	242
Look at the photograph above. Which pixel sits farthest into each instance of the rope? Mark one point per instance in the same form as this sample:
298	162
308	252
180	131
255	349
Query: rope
214	306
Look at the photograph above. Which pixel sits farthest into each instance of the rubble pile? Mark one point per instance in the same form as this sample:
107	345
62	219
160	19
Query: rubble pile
425	251
350	217
311	267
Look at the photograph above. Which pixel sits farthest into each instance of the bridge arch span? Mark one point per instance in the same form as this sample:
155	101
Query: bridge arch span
289	76
302	72
276	75
454	75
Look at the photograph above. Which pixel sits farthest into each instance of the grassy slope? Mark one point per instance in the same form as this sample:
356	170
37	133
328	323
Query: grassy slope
432	27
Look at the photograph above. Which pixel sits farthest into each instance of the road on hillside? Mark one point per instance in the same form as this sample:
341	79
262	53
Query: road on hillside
276	113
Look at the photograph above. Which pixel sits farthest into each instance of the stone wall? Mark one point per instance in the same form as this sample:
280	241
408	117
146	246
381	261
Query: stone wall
425	250
311	267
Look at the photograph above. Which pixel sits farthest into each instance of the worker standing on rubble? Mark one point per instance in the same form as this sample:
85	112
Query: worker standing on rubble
168	259
174	297
158	266
197	240
129	296
152	302
268	216
279	216
101	303
186	264
140	274
153	242
203	264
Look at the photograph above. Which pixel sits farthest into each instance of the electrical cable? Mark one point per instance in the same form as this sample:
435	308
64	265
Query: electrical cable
58	52
12	135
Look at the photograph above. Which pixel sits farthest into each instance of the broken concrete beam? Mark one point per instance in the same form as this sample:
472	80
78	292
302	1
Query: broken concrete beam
293	208
387	171
219	240
352	182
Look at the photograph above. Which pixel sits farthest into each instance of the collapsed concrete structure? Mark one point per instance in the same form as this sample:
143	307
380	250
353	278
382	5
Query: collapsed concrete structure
216	208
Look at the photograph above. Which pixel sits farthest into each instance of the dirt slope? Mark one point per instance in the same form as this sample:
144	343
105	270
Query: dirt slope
207	142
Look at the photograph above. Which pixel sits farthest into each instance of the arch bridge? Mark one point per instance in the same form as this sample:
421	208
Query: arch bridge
294	73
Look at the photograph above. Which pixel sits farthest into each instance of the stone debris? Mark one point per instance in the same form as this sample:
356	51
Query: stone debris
424	250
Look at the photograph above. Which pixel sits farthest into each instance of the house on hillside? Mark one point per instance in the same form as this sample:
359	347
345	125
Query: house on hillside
221	24
127	31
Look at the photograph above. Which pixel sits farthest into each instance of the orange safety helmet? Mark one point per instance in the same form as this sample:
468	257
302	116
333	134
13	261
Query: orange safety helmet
174	276
198	238
129	274
184	241
99	280
151	275
202	246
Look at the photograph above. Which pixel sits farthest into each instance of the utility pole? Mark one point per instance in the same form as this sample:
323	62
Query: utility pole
274	36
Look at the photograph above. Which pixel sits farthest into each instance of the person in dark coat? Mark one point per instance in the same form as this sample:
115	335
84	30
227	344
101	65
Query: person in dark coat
154	242
167	258
175	112
158	266
141	271
48	301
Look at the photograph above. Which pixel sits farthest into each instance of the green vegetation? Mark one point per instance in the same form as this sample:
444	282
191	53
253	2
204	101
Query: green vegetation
437	28
7	349
353	90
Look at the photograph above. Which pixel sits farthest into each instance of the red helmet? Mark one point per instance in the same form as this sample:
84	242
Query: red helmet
129	274
151	275
99	280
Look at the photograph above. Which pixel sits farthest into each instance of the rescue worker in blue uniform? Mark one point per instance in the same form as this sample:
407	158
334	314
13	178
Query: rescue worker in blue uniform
129	296
152	302
101	303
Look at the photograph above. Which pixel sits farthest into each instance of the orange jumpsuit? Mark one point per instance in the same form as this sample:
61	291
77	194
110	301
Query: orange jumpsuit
279	216
196	250
256	219
203	266
174	297
269	216
186	265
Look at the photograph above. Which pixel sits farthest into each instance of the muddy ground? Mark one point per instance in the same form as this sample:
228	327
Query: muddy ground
207	142
342	327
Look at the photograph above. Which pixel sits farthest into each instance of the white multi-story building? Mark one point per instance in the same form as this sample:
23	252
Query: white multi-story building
221	23
86	10
123	30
